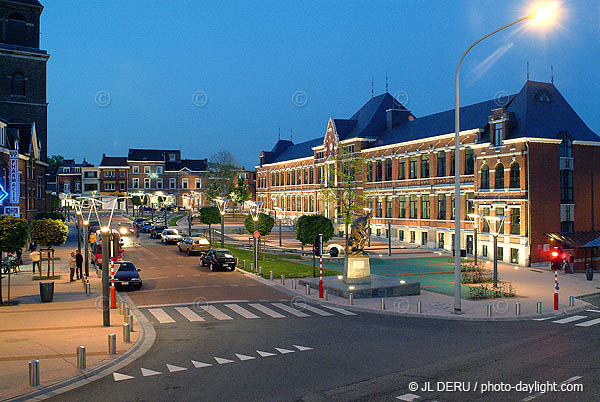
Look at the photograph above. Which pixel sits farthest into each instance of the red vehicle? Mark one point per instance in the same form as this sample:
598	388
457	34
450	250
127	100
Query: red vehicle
97	248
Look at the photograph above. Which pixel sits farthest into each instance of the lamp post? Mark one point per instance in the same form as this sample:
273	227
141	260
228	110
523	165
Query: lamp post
253	208
476	219
280	210
542	14
221	204
86	250
495	223
78	217
105	288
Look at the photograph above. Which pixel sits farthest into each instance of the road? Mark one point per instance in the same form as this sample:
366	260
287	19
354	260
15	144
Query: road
225	337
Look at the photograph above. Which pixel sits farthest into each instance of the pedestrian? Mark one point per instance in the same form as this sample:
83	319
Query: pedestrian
32	247
35	260
571	262
79	264
72	266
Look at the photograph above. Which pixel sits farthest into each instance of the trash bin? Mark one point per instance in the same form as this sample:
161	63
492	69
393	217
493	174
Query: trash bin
46	291
589	273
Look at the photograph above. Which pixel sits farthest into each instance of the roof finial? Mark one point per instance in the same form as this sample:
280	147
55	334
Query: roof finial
372	83
527	70
551	73
386	83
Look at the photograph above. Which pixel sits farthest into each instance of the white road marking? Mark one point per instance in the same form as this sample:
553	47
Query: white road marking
265	354
242	311
180	276
569	380
173	369
244	357
200	364
302	348
593	311
158	277
121	377
542	319
220	360
340	310
290	310
147	372
189	314
588	323
266	310
569	319
192	303
218	314
317	310
408	397
284	351
160	315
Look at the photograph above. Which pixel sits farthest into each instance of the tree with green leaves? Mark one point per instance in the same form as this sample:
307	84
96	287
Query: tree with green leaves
264	224
54	202
54	163
309	226
349	168
49	233
13	237
136	201
223	169
210	216
240	193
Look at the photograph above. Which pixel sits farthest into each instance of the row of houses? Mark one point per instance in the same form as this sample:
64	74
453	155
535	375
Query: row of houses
160	172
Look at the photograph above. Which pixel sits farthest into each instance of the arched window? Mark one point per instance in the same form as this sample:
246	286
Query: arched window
485	177
469	161
515	176
17	85
499	175
566	146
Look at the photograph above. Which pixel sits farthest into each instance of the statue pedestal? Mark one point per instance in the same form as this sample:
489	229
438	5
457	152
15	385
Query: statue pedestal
357	270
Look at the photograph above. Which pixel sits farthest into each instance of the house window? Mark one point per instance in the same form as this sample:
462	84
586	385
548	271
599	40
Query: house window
401	206
379	207
441	206
136	169
370	172
498	133
486	224
500	212
566	186
499	175
172	183
469	161
425	207
122	173
185	183
109	186
470	205
401	235
159	169
484	251
147	169
401	170
567	226
412	168
388	169
515	176
452	162
67	187
485	178
135	183
122	186
453	207
388	207
566	146
305	176
109	173
159	183
413	207
311	175
515	221
441	164
423	238
413	236
77	187
514	255
379	170
500	253
17	85
146	183
441	240
198	183
425	166
172	157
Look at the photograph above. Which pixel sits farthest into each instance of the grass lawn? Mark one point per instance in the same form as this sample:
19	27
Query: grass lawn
173	220
290	266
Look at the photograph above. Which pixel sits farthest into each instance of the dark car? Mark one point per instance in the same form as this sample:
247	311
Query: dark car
146	227
218	258
139	221
127	275
156	231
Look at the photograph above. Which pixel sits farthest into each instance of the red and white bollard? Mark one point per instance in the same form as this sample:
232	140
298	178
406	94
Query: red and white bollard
113	293
320	277
555	290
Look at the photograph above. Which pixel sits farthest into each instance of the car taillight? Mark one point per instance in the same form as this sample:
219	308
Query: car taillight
215	259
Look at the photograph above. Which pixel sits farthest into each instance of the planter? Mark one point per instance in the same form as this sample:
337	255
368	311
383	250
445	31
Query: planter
46	291
589	273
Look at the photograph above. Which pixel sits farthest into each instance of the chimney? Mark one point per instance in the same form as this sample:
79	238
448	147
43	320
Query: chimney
395	117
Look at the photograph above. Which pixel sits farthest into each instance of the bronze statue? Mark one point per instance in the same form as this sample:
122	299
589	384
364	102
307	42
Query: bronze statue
358	236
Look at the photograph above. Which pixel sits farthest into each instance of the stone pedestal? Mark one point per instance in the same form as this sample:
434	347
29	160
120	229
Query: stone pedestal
357	270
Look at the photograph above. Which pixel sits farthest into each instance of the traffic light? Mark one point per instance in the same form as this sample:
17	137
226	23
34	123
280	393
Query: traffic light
318	245
556	257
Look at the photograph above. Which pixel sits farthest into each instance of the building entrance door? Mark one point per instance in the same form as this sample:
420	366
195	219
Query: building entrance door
469	244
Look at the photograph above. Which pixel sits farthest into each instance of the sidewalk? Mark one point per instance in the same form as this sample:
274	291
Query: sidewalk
51	332
532	285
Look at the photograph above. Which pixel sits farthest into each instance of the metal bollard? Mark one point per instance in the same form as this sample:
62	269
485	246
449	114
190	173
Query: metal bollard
112	344
489	310
121	307
244	264
539	308
283	280
325	295
307	290
126	333
271	275
518	309
571	301
251	267
80	357
350	299
382	303
89	288
131	323
260	271
126	314
419	307
294	283
34	373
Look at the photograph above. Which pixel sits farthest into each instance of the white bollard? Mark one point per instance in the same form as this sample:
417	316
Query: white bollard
382	303
419	307
126	333
518	309
350	299
112	344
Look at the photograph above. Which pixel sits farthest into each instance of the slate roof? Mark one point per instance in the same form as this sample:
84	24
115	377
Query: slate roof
22	132
157	155
196	165
28	2
113	161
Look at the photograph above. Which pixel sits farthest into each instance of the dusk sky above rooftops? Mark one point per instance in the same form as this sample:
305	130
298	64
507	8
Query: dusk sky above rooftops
206	76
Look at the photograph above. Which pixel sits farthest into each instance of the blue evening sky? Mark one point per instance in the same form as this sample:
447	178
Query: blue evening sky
202	76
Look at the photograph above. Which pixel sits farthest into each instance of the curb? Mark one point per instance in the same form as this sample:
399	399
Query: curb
142	345
462	317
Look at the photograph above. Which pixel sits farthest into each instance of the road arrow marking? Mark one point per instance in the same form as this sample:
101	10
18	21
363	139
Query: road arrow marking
147	372
121	377
302	348
223	361
173	369
284	351
244	357
265	354
200	364
408	397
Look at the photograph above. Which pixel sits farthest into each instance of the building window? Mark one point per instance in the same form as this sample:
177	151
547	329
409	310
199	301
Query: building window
425	166
423	238
122	173
500	253
109	173
172	183
515	176
413	207
425	207
441	239
378	171
388	169
500	212
305	176
122	186
452	162
401	235
379	210
566	146
401	206
172	157
486	224
67	187
198	183
514	255
469	161
109	186
159	183
413	236
136	169
147	169
311	175
77	187
441	206
401	170
484	251
388	207
470	205
159	169
412	168
567	226
566	187
185	183
17	85
485	178
498	133
515	221
453	207
370	171
135	183
146	183
441	164
499	176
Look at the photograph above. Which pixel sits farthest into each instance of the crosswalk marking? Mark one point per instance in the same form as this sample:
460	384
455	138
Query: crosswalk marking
148	372
265	354
174	369
569	319
588	323
218	314
317	310
542	319
267	311
340	310
160	315
189	314
290	310
244	357
242	311
121	377
408	397
200	364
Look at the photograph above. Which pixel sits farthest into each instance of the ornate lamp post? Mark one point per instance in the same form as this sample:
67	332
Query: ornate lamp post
279	210
253	207
495	223
221	204
476	219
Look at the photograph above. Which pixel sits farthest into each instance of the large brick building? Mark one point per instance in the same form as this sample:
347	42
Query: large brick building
527	157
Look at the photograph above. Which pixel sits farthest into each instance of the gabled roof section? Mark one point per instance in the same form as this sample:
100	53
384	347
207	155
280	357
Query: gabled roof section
344	127
23	134
34	3
113	161
297	151
371	118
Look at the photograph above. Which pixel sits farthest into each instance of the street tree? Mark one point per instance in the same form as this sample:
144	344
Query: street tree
240	193
136	201
49	233
223	169
210	216
309	226
264	224
54	163
13	237
54	203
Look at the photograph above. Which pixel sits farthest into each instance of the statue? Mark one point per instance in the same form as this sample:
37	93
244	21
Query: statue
358	236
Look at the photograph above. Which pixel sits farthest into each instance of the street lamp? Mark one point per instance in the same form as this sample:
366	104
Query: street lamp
543	13
86	251
280	211
495	223
476	219
221	204
105	288
253	207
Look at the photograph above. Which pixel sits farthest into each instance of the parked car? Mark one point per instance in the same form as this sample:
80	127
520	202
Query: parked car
193	245
156	231
127	275
146	227
218	258
170	236
139	221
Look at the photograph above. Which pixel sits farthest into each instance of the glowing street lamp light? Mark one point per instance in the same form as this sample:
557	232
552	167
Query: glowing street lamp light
543	13
476	219
495	223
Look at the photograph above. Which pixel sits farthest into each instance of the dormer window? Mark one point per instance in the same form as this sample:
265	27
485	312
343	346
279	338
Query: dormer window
171	157
543	96
498	134
566	146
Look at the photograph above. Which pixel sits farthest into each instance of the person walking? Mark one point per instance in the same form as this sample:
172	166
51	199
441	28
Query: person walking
35	260
72	266
571	262
32	246
79	264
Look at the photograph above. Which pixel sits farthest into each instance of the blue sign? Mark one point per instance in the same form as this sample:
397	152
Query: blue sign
3	194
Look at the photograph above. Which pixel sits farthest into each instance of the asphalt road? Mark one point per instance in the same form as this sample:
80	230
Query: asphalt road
360	357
